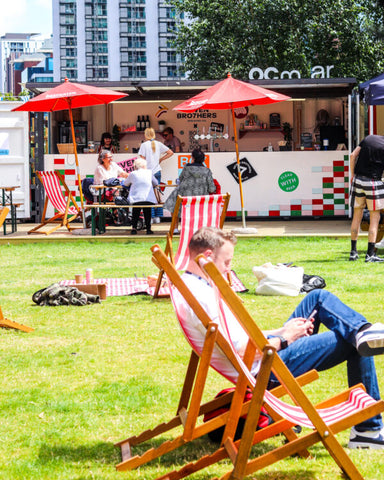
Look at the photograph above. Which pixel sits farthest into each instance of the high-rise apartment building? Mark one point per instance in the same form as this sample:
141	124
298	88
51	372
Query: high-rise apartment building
115	40
12	46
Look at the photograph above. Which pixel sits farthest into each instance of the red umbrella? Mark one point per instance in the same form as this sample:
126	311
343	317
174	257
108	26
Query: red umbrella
67	96
232	94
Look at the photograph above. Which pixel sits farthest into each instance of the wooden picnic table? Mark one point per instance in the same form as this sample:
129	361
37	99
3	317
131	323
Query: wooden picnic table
7	201
100	207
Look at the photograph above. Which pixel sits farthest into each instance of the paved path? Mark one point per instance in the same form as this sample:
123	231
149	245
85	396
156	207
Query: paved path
265	228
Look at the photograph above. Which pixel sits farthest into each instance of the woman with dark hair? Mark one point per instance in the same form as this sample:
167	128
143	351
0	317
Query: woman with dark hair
195	179
106	143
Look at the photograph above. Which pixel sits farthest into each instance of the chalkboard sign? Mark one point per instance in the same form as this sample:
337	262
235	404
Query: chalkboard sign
274	120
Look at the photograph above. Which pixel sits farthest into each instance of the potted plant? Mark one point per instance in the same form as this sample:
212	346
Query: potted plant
161	124
116	137
287	131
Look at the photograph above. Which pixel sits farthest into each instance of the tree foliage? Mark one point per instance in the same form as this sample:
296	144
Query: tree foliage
237	35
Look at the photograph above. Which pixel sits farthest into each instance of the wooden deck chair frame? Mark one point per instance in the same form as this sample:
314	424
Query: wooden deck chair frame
199	222
6	323
190	408
323	432
67	209
239	451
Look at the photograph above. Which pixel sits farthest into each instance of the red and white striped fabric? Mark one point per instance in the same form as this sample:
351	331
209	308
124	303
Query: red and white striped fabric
52	188
196	212
358	400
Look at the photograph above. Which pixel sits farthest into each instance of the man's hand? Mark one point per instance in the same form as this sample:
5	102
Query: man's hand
297	328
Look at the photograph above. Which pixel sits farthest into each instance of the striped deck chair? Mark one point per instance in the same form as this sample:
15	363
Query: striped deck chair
196	212
324	420
65	207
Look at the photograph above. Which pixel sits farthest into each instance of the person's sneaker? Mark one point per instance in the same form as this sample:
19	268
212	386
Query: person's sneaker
353	256
156	219
380	244
373	439
373	259
149	232
176	231
133	232
371	340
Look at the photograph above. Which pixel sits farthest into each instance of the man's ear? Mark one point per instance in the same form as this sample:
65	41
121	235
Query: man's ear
208	253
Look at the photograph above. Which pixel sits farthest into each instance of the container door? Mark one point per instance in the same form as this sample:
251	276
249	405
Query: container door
14	155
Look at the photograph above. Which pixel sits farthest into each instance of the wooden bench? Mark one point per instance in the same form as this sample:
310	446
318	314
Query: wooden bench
110	205
7	201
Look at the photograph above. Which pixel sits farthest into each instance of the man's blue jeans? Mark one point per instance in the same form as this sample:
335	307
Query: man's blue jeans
157	212
322	351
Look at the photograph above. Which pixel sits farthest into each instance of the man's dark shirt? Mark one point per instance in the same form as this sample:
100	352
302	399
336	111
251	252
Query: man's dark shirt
370	162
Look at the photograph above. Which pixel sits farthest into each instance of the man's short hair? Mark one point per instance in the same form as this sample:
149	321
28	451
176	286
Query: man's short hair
168	130
209	238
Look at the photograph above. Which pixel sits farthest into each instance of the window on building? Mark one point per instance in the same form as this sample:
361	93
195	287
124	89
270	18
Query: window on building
69	74
171	57
70	52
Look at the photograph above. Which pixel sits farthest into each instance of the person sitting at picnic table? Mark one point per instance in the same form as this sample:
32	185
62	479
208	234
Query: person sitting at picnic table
107	168
106	143
141	182
195	179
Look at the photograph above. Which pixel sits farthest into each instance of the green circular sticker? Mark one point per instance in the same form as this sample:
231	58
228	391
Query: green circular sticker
288	181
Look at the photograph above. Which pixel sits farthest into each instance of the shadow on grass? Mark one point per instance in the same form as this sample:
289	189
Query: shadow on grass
100	452
107	454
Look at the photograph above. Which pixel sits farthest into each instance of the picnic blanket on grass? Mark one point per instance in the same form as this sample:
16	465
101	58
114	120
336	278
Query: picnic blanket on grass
133	286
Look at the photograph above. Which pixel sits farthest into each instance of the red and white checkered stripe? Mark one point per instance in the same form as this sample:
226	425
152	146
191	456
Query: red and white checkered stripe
52	188
196	212
130	286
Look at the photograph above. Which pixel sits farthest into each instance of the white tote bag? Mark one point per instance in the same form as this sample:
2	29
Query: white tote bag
278	279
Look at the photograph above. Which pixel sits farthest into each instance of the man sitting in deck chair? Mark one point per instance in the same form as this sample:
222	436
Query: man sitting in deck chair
350	337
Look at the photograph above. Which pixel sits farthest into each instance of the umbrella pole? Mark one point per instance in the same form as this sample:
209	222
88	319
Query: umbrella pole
238	167
77	162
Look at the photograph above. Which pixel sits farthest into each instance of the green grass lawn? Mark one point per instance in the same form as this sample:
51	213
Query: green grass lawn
90	376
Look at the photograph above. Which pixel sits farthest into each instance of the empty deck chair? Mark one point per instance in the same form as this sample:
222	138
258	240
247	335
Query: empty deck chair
325	420
196	212
66	208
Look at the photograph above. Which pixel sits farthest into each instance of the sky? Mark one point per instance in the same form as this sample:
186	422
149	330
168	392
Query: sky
26	16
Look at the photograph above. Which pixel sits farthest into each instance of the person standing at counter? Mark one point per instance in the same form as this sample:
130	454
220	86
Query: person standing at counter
171	141
106	143
367	190
154	153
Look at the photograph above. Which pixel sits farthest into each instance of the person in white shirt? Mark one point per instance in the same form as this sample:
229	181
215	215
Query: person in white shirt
348	336
154	153
107	168
141	182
